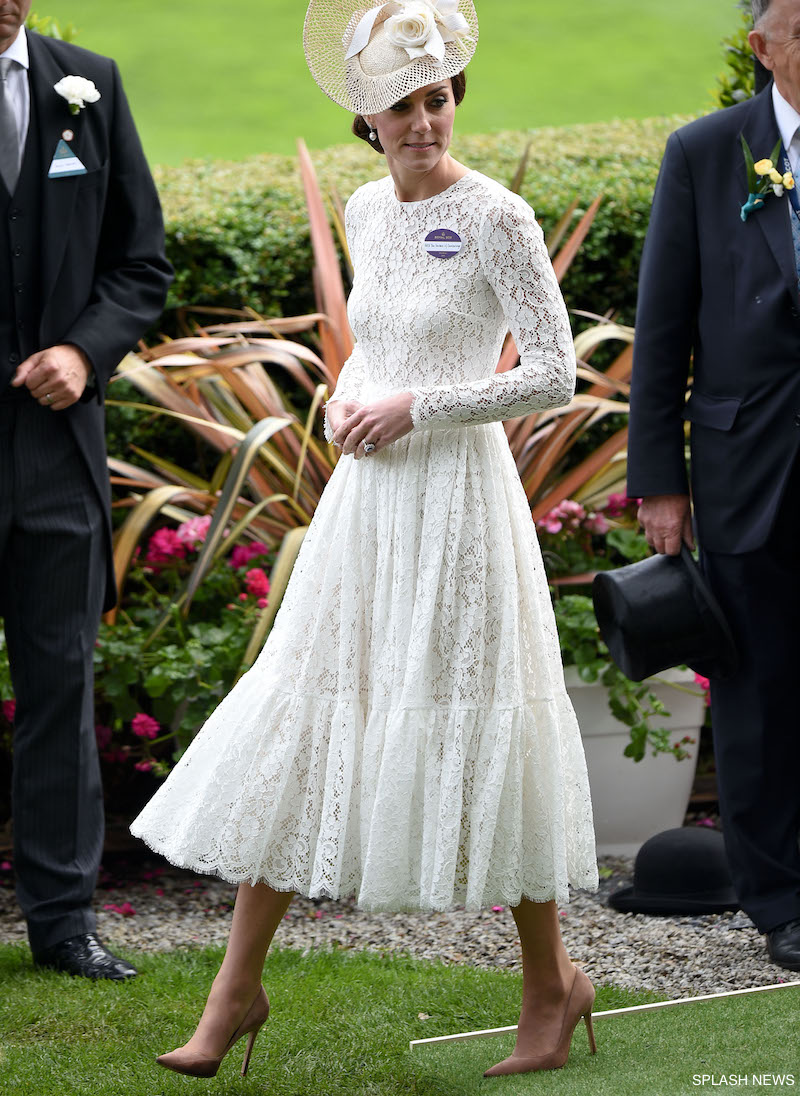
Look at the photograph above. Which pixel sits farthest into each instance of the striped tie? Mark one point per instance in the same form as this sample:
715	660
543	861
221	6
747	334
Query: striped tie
9	134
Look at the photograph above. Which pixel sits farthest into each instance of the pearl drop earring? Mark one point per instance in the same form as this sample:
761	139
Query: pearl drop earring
373	133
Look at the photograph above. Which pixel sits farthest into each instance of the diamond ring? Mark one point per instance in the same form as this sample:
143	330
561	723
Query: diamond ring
368	447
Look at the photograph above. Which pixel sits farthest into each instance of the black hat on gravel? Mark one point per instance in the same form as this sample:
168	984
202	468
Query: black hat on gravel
680	871
659	613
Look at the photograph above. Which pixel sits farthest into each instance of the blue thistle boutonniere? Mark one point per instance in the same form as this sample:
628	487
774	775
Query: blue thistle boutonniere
763	179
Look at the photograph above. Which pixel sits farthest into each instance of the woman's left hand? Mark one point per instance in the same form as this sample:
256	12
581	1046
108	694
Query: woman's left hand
378	423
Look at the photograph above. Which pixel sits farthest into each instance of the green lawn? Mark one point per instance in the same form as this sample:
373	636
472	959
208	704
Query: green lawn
340	1026
227	81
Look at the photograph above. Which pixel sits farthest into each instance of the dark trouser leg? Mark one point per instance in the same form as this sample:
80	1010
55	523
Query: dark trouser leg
756	732
52	578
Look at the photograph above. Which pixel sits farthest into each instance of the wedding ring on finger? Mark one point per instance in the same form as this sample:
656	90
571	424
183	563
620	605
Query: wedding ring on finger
368	448
48	399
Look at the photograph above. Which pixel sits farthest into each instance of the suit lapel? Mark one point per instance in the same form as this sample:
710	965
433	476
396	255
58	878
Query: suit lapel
52	117
761	132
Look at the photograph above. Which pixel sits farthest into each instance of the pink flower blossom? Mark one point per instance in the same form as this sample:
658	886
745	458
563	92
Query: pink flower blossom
144	726
242	597
164	546
194	531
243	553
5	866
550	524
103	736
262	603
705	685
144	766
9	710
616	505
125	910
596	523
573	508
257	582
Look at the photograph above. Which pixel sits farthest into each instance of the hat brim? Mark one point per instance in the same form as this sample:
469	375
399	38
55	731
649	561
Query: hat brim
327	32
627	900
660	613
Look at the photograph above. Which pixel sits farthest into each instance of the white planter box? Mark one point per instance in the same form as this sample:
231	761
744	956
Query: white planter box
635	800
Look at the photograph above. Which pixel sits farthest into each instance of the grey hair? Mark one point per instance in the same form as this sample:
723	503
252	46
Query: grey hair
759	9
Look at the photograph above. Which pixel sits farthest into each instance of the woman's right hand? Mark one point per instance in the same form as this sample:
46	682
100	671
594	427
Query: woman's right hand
338	410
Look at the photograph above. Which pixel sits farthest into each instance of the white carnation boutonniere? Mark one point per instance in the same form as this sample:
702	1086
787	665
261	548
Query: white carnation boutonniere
763	179
78	91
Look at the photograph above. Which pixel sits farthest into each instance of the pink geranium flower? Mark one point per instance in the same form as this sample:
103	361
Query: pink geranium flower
596	523
164	546
9	710
144	726
256	582
243	553
194	531
705	685
144	766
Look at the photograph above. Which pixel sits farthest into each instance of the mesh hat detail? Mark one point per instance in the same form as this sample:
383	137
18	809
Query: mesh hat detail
368	57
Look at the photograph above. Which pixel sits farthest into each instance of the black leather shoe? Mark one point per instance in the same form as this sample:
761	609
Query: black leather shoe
783	945
85	956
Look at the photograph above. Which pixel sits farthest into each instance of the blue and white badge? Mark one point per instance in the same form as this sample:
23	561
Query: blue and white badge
65	163
443	243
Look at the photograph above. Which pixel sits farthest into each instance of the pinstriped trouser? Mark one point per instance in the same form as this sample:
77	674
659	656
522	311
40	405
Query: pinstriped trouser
52	578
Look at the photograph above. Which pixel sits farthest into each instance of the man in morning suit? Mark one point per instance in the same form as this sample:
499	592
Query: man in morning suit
82	276
724	291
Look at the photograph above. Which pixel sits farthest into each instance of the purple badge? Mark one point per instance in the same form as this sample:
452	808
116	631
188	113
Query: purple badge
443	243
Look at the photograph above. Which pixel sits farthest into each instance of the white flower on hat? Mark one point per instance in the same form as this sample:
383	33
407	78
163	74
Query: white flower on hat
78	91
414	30
423	28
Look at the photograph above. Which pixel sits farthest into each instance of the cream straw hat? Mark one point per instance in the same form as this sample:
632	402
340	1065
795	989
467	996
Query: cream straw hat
366	57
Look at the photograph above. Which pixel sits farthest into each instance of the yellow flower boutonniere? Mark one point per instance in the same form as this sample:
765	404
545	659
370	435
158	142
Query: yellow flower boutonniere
763	179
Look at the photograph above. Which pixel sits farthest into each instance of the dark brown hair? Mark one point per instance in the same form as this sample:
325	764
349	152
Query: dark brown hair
361	129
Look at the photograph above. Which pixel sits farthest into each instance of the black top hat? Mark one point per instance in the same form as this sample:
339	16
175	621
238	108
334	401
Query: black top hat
681	871
660	613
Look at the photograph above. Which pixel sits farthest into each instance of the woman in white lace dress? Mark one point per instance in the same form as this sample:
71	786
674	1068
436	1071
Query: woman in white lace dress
405	736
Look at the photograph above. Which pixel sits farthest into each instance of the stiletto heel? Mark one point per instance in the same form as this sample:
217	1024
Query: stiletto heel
590	1031
578	1006
249	1050
193	1064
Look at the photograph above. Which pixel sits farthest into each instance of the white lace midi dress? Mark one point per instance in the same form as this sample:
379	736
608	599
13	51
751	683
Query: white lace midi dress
405	734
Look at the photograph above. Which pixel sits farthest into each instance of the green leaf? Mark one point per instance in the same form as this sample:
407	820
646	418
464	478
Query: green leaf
752	178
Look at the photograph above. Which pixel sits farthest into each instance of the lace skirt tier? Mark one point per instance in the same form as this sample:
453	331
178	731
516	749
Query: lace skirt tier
405	734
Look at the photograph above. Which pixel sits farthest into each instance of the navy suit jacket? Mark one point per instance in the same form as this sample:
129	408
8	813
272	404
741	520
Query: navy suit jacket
104	274
722	293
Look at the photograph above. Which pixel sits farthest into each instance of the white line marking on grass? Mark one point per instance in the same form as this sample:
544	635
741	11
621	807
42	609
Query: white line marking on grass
415	1044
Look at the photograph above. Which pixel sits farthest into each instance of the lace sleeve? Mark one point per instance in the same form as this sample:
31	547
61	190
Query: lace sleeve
516	264
351	378
348	386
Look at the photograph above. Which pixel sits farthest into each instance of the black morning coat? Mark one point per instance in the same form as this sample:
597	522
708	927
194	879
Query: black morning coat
726	292
104	274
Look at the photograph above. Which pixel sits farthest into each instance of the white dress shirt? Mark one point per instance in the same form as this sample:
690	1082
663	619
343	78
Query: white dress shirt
17	85
789	128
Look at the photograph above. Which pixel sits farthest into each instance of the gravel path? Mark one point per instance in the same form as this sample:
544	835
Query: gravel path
676	956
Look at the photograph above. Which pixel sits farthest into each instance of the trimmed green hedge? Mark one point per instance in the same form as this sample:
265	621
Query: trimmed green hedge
237	232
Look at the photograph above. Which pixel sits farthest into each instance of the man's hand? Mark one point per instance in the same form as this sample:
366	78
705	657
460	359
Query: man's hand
667	522
55	377
380	423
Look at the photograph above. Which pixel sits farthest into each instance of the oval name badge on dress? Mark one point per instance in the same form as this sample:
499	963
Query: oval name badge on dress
443	243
